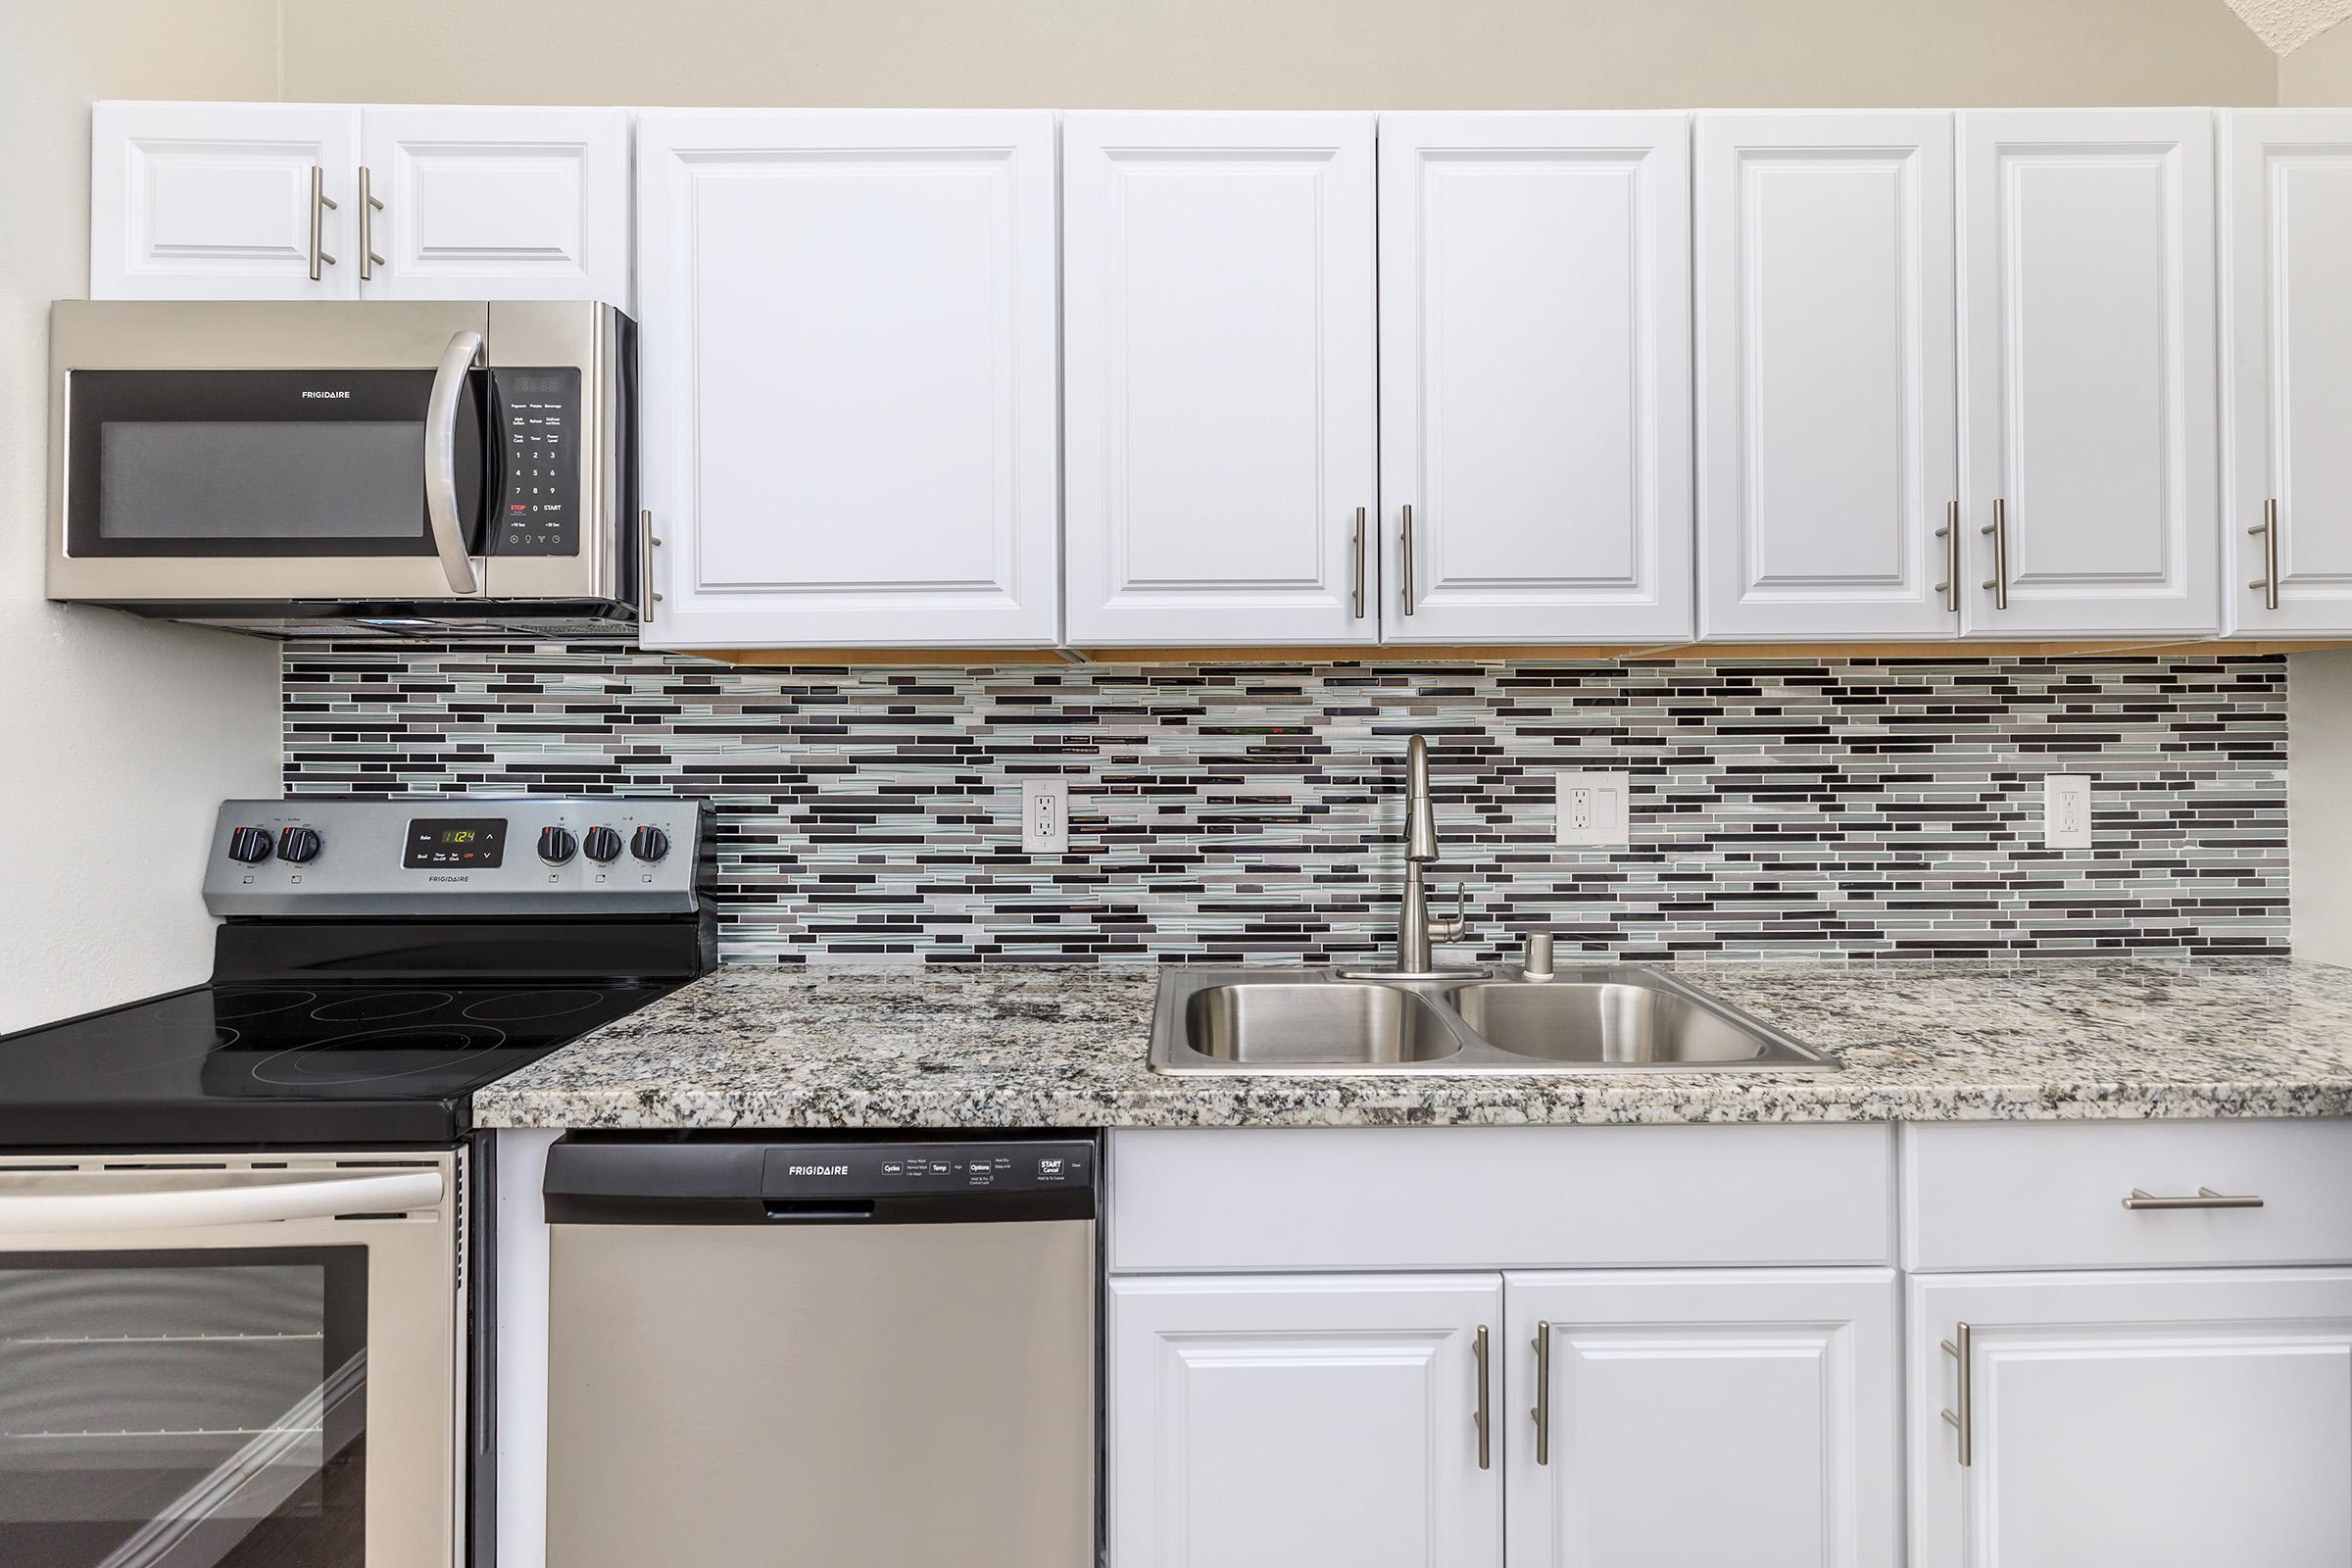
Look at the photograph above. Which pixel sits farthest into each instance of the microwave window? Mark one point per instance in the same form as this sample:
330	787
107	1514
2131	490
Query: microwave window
163	479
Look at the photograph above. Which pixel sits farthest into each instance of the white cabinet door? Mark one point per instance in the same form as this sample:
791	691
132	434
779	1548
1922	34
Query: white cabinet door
2169	1419
1326	1419
1827	384
1748	1417
2088	394
847	355
1217	301
219	202
2286	393
1534	377
497	203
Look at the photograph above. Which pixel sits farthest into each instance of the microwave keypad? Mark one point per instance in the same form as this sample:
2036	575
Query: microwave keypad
539	412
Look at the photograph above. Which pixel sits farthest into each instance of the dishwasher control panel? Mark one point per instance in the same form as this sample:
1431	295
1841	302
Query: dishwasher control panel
888	1170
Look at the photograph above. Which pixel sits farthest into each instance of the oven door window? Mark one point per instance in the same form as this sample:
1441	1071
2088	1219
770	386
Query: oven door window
197	1409
260	462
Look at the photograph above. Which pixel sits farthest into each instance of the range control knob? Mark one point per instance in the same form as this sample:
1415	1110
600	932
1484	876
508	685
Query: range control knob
250	845
649	843
602	844
556	844
299	845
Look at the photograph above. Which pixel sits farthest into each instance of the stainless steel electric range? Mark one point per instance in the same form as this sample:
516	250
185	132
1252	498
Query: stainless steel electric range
242	1227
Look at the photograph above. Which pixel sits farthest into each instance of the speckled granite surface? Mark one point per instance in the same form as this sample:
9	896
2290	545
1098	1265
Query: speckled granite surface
1006	1046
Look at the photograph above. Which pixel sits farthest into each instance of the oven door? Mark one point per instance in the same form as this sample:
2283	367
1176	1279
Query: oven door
209	1361
219	453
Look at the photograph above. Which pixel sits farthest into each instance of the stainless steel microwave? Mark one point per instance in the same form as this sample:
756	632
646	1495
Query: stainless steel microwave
425	469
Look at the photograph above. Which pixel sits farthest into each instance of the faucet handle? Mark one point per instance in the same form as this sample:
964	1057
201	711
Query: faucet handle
1456	929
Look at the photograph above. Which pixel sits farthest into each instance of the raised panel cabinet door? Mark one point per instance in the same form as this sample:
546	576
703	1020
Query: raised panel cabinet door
1218	310
2287	385
2089	500
1534	377
1828	419
1270	1422
224	201
848	353
1666	1420
2153	1419
496	204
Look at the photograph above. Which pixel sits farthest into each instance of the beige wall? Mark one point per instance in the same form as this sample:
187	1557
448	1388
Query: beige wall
2319	73
1277	53
118	737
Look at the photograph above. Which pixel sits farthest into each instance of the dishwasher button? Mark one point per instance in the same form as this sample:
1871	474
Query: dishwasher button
1051	1170
894	1168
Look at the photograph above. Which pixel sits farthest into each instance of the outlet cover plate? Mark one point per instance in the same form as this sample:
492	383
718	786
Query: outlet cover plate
1594	810
1045	815
2066	811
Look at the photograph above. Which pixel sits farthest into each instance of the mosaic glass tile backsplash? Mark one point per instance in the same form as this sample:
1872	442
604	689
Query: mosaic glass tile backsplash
1798	806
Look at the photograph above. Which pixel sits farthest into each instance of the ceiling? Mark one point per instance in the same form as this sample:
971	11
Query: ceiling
2288	24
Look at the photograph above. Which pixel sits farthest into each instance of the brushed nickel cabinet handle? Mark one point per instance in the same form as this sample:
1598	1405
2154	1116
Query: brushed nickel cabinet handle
369	205
2206	1197
1360	513
1963	1395
1999	529
1408	557
2268	582
1542	1410
320	205
1486	1446
647	596
1949	533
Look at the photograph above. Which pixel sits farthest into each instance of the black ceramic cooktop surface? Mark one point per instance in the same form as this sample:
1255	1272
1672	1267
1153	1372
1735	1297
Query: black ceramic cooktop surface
298	1064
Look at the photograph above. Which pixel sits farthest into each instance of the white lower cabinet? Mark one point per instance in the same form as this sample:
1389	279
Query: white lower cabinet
1677	1420
1327	1419
2149	1419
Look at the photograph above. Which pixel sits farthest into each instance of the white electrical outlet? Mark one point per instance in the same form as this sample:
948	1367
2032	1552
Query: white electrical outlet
1045	815
1595	810
2066	811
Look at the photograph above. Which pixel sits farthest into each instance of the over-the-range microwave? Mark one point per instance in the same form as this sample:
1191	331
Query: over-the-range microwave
420	469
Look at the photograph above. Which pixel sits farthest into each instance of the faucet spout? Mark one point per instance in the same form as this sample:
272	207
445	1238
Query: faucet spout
1420	817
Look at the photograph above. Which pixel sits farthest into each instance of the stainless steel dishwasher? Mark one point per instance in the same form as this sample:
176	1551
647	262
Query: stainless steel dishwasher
834	1351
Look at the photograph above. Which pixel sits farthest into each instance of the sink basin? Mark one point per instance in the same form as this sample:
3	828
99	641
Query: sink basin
1618	1018
1316	1025
1603	1022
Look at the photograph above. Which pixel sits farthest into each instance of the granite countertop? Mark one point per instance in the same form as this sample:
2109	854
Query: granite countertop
1013	1046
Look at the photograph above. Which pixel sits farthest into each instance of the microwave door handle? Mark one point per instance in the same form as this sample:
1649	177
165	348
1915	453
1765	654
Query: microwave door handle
441	459
195	1208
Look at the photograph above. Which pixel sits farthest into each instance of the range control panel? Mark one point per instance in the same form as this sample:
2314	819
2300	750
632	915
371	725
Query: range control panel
538	414
901	1170
473	855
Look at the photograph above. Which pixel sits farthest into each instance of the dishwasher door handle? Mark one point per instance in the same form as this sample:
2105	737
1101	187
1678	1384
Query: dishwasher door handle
818	1212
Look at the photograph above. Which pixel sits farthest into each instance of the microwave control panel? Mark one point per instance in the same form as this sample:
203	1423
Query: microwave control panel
538	511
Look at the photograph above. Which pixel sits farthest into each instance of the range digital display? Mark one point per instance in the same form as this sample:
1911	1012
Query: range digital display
465	842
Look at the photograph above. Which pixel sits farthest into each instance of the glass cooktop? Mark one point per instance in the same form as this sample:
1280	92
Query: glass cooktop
294	1064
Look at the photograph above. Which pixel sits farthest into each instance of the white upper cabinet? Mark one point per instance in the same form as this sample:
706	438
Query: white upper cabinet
2167	1419
1827	383
498	204
307	200
848	358
1218	307
1534	377
2089	497
224	202
1747	1416
2287	302
1280	1422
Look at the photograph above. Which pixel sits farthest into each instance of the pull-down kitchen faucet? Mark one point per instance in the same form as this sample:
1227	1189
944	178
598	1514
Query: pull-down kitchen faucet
1415	929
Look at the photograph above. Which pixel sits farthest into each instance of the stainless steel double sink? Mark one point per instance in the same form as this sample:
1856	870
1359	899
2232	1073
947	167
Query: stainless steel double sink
1304	1020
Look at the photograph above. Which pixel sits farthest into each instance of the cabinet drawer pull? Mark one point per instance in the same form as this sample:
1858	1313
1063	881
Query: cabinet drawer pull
1485	1446
370	204
1964	1422
2206	1197
1359	562
2267	527
1949	533
1407	533
320	205
1542	1410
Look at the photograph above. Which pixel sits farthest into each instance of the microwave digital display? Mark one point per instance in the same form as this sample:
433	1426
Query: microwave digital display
466	841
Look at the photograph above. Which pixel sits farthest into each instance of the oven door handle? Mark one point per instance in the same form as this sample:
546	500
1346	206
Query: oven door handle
441	459
196	1208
